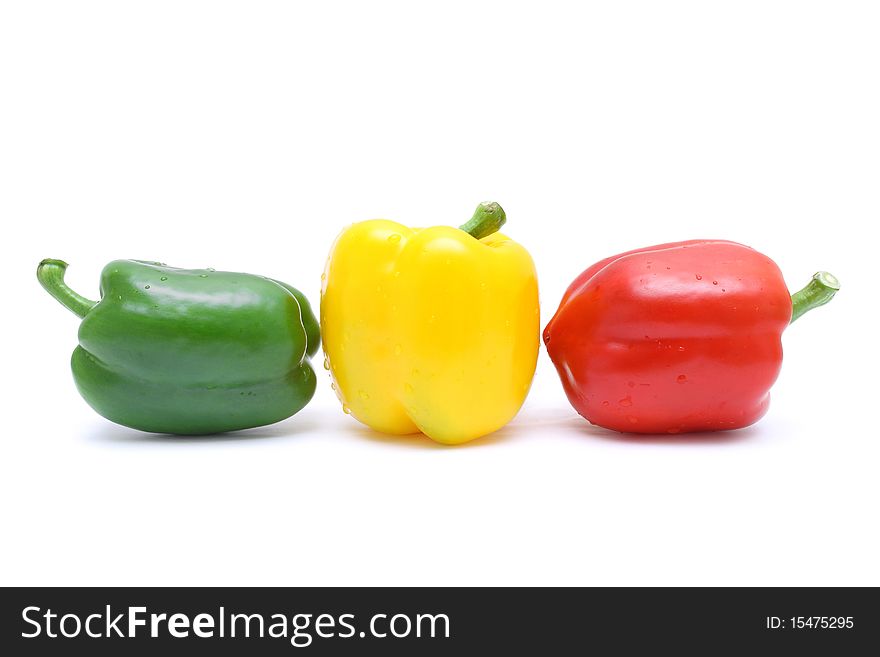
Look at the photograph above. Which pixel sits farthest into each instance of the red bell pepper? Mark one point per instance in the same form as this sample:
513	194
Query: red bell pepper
677	337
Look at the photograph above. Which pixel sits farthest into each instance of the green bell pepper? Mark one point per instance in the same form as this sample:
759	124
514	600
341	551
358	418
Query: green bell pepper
189	351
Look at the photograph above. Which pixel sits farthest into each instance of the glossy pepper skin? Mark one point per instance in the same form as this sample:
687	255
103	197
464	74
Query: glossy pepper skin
431	330
678	337
189	351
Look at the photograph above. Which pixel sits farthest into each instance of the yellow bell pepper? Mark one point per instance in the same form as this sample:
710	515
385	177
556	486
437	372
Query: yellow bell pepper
433	330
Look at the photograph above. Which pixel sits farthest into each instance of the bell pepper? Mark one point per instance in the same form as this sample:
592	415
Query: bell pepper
677	337
189	351
432	330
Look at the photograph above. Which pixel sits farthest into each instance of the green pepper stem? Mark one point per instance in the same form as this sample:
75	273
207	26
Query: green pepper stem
819	291
487	219
50	273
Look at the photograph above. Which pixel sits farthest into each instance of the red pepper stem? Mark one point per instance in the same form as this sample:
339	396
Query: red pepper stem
487	219
819	291
50	273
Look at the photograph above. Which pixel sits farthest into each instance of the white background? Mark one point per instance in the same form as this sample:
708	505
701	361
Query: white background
244	136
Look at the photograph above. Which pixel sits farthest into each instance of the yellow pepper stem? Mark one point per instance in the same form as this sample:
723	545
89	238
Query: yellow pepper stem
488	218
